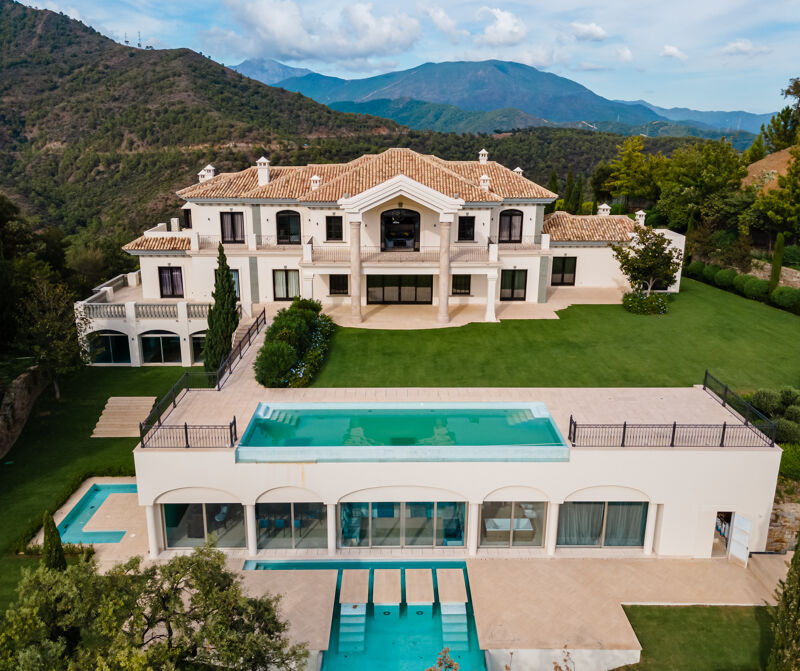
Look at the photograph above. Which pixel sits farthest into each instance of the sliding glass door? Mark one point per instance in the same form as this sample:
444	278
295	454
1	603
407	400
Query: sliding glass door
608	524
512	285
286	284
400	289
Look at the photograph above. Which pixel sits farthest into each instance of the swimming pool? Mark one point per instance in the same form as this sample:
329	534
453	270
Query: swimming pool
410	641
71	527
402	432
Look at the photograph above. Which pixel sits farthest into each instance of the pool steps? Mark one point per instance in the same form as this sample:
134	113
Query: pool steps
353	627
455	629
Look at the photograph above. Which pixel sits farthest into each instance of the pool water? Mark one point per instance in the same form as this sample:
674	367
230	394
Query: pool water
401	431
71	527
410	642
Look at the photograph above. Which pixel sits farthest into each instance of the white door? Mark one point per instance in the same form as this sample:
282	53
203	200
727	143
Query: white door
739	544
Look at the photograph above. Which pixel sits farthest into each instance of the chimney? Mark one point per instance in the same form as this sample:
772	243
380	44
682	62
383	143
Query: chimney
483	156
518	170
263	170
315	180
206	173
604	210
174	224
485	182
640	217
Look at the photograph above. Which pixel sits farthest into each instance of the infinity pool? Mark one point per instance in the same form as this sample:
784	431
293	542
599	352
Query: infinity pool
410	641
402	432
71	527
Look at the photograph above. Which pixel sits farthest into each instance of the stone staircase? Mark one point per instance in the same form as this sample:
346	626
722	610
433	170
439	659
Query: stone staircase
121	416
241	330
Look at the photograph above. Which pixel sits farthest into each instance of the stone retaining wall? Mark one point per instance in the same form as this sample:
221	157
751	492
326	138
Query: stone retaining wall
789	276
783	527
17	404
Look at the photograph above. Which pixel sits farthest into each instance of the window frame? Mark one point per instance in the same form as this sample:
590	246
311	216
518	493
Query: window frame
466	220
514	504
187	217
170	270
328	222
560	275
286	272
290	238
602	537
514	272
461	291
508	215
339	291
234	220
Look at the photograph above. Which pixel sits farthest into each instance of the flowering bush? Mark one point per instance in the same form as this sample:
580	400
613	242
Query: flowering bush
310	363
641	304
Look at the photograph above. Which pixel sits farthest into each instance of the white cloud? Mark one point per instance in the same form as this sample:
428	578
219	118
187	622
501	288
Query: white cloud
671	51
505	31
278	28
744	47
586	66
442	20
624	54
590	32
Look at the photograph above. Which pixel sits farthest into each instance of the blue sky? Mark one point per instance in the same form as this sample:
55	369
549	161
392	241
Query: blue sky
705	54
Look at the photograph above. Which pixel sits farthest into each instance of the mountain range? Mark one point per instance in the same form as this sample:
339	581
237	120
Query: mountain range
268	70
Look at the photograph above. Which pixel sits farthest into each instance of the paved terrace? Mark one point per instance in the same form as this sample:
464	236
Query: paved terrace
241	394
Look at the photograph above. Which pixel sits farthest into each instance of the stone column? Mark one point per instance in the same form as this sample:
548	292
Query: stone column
331	529
185	334
650	528
153	536
251	527
473	528
491	293
551	530
355	270
133	334
444	271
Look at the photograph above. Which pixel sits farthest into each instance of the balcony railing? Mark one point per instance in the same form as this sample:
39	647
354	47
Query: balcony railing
156	311
374	254
277	242
191	435
469	253
212	242
104	310
527	242
198	310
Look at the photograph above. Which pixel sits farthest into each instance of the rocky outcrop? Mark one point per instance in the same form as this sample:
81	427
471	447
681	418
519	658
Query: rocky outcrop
17	404
783	527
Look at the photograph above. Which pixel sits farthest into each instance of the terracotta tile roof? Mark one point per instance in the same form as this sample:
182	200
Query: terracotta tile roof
565	227
367	171
158	244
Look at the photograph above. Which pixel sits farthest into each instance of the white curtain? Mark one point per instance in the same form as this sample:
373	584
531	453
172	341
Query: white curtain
294	282
580	523
280	284
625	524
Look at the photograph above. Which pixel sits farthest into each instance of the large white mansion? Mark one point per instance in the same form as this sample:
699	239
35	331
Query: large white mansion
395	227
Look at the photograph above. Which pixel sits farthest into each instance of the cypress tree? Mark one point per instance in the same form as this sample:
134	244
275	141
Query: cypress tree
576	201
222	316
785	653
52	551
552	185
568	189
777	262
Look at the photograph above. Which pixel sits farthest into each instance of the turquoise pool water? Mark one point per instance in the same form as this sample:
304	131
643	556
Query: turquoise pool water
408	642
71	527
402	432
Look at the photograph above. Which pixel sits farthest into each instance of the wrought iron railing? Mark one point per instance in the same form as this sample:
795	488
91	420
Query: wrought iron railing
525	242
191	435
399	255
731	400
162	407
212	242
238	350
469	253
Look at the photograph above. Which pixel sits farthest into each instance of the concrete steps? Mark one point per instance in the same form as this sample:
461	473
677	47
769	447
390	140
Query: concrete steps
121	416
241	329
455	628
352	627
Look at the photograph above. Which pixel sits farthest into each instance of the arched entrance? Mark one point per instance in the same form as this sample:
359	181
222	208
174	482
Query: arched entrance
399	230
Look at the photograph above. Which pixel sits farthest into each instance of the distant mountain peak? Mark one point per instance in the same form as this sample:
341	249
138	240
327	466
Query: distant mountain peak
268	70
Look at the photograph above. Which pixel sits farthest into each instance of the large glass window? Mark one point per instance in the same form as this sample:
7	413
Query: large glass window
512	285
399	289
288	226
466	228
563	271
232	225
510	228
286	284
339	285
394	524
291	525
333	228
198	344
512	523
616	523
160	347
190	524
170	282
462	285
109	347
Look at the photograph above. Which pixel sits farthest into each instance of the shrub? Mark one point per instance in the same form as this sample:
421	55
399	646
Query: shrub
790	461
303	373
52	552
724	278
273	362
695	269
785	297
710	271
789	396
740	280
792	413
756	288
787	431
641	304
791	255
295	321
777	263
767	401
307	304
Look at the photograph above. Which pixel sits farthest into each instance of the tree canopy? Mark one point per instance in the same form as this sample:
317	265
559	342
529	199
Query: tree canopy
648	260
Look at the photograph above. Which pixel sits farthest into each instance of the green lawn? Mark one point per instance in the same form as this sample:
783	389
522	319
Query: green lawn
56	447
698	638
744	343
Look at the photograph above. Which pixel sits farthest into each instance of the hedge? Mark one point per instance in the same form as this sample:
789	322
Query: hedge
642	304
790	462
295	345
785	298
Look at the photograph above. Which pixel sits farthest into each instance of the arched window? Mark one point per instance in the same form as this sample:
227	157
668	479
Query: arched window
400	230
288	225
109	347
510	229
